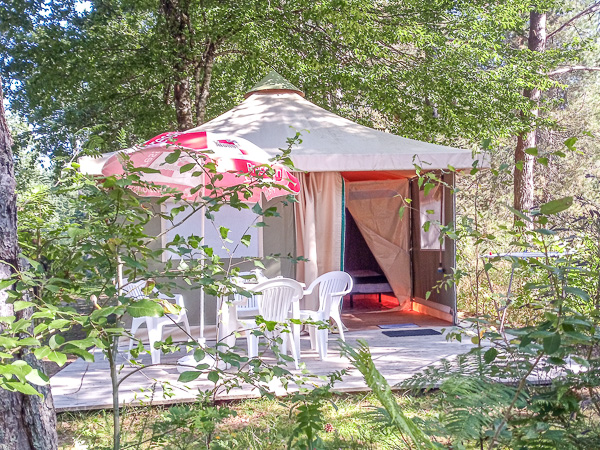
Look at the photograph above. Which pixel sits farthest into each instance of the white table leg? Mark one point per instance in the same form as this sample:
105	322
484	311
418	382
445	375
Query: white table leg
227	322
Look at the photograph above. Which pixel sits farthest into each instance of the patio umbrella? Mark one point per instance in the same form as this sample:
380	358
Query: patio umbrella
235	160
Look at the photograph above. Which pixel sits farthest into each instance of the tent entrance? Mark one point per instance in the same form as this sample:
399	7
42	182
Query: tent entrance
377	250
359	262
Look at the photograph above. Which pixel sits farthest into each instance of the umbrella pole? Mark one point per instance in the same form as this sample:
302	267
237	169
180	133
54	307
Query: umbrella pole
202	340
119	275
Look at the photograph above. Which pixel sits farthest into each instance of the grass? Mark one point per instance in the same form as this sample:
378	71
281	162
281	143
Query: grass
350	422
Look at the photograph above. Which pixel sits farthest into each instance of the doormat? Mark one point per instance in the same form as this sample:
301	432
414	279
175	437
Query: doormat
393	326
406	333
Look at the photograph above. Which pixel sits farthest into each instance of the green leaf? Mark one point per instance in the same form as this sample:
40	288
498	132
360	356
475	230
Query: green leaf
224	232
191	375
58	323
577	292
213	376
187	167
401	212
29	342
519	214
556	206
41	353
427	188
105	312
58	357
256	209
24	388
199	355
37	377
6	283
53	288
490	355
146	170
173	157
531	151
56	341
132	262
552	343
145	308
570	143
83	354
363	361
246	239
20	305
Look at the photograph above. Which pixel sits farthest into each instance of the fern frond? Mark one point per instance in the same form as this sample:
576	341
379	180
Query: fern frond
362	360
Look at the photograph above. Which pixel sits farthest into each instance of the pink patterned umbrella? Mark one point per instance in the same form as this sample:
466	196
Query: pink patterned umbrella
237	162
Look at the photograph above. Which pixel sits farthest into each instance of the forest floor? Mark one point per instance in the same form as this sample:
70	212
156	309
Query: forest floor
349	422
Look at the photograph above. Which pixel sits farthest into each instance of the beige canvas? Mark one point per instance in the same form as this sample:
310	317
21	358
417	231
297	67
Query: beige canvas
318	227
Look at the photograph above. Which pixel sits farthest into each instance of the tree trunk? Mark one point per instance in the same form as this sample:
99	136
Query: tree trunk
178	25
203	87
26	422
182	100
524	163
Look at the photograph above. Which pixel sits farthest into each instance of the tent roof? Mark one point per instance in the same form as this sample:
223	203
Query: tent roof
274	111
274	82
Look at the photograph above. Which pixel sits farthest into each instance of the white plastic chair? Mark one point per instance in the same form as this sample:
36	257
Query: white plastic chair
154	325
247	306
332	287
274	303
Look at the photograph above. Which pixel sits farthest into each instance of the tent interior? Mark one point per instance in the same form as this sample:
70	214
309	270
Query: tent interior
393	260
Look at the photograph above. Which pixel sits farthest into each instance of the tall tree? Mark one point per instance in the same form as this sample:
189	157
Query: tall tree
524	162
26	421
527	140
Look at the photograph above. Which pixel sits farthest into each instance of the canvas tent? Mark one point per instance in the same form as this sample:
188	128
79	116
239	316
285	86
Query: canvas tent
353	180
350	167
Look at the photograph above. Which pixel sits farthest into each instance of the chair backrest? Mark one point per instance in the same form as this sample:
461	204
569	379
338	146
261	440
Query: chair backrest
242	302
134	289
275	297
332	283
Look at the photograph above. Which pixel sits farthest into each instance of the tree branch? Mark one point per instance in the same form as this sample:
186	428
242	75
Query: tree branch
589	10
572	69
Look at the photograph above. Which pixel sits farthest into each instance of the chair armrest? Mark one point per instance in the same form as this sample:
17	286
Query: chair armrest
341	294
310	288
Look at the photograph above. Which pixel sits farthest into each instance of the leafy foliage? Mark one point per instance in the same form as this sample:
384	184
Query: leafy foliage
435	71
522	383
76	258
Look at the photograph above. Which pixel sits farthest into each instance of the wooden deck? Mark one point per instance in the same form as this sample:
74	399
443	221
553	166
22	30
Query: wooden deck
85	386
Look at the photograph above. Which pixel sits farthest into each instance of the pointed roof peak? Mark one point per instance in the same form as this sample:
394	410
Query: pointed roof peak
274	83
